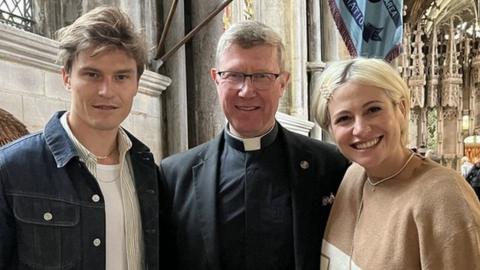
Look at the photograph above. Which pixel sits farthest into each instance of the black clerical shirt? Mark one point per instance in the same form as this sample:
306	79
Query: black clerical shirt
255	211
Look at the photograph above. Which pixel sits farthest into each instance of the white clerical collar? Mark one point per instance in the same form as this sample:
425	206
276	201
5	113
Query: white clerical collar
255	143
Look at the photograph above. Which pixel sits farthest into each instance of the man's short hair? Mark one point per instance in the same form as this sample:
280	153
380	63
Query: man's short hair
248	34
101	29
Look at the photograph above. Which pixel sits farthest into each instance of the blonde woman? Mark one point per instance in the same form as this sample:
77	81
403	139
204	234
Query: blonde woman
395	209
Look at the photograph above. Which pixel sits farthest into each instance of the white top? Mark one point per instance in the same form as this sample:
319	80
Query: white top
465	168
108	177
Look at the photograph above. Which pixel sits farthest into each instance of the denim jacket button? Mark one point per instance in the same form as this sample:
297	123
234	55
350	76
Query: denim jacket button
95	198
97	242
304	164
47	216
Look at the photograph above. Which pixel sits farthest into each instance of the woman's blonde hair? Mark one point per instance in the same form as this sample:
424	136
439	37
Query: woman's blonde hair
368	72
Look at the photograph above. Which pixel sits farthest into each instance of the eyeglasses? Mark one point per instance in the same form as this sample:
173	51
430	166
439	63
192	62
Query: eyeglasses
261	81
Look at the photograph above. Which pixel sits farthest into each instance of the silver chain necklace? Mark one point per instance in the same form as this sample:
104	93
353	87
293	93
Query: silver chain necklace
393	175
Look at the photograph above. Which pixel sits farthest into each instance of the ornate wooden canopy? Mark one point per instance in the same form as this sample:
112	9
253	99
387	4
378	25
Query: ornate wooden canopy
10	128
441	65
441	11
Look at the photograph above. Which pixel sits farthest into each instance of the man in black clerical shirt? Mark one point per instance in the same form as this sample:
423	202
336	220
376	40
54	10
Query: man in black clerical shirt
257	196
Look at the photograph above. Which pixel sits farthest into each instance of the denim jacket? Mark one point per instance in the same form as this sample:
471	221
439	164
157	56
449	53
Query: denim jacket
50	214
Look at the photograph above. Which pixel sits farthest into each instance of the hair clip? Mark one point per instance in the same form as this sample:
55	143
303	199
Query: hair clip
325	93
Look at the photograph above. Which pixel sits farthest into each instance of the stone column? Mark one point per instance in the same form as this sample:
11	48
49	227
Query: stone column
205	115
315	65
465	93
331	43
53	15
330	35
475	94
276	14
432	100
476	110
413	128
175	100
416	82
147	18
451	100
299	51
91	4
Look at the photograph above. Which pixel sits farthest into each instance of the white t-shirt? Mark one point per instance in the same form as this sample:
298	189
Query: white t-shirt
108	178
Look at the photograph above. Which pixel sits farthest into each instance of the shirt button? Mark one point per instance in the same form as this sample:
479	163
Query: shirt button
47	216
304	164
95	198
97	242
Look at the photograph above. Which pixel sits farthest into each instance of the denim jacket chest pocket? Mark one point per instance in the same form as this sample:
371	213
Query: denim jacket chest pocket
47	232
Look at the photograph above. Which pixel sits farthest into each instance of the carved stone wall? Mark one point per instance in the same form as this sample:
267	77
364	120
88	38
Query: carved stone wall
443	86
450	131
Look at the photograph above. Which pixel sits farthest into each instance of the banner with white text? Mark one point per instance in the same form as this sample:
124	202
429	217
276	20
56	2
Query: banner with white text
370	28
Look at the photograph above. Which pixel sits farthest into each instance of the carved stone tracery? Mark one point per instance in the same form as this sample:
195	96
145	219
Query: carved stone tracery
414	115
433	77
404	58
417	78
450	114
444	84
476	68
476	93
451	77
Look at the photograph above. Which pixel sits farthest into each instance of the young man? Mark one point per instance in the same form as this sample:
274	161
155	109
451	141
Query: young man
257	196
83	193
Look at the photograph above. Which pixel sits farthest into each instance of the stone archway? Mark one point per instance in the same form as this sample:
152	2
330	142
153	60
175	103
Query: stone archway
10	128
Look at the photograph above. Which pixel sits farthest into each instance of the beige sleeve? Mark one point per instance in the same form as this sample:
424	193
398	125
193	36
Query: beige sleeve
461	251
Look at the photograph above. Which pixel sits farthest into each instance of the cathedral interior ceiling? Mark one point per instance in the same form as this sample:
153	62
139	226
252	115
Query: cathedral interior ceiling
440	12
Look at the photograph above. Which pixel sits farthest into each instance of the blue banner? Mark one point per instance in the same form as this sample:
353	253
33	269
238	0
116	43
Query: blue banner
370	28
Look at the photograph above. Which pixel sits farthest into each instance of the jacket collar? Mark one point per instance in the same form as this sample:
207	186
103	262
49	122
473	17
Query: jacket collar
63	149
205	183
